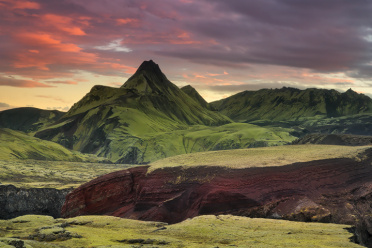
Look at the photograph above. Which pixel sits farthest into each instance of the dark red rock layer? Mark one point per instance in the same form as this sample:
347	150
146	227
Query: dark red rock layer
333	190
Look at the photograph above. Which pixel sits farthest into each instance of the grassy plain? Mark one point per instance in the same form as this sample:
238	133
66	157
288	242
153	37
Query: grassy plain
17	145
203	231
52	174
261	157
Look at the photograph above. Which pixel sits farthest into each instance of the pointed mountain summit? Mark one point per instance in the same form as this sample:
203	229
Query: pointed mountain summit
119	123
149	79
194	94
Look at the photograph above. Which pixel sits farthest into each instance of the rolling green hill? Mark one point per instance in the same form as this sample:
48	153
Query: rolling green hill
28	119
292	104
150	118
202	231
17	145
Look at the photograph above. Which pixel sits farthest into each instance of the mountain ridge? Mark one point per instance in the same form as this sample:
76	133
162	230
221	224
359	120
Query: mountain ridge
118	123
28	119
292	104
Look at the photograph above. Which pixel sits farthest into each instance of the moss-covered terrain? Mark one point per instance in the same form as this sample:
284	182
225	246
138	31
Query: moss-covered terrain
292	104
261	157
18	145
150	118
28	119
52	174
203	231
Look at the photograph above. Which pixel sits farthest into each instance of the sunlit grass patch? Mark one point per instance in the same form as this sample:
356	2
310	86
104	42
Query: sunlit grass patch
52	174
260	157
202	231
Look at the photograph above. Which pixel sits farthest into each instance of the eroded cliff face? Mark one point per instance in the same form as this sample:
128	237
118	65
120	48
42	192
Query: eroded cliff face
333	190
17	201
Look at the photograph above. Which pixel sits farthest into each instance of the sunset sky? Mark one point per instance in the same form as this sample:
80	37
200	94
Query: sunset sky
53	51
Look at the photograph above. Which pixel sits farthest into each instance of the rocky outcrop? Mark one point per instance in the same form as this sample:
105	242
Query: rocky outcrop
332	190
17	201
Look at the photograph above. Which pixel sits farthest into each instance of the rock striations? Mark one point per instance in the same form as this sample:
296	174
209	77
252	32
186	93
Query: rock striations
332	190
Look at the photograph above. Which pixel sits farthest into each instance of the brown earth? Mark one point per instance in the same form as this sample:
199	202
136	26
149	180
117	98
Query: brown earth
331	190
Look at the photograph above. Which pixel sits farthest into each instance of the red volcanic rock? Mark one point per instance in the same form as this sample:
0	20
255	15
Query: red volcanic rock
332	190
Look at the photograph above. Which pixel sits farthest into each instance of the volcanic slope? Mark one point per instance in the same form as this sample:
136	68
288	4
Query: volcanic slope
149	118
292	104
272	182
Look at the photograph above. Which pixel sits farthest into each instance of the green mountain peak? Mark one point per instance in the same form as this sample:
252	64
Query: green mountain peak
149	79
194	94
122	124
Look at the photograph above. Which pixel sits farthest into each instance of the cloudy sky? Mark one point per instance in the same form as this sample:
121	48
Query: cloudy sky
53	51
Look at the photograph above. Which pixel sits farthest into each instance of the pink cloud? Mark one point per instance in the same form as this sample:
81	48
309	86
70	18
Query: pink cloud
128	21
14	4
63	23
6	81
174	37
62	82
45	41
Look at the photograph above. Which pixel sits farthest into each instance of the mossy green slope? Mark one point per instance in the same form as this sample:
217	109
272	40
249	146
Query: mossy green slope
28	119
203	231
17	145
152	146
149	118
52	174
262	156
292	104
191	92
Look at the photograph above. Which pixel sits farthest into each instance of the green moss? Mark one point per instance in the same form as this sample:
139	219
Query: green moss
202	231
292	104
260	157
52	174
17	145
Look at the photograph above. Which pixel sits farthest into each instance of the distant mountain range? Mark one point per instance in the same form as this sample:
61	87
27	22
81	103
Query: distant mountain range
292	104
150	118
28	119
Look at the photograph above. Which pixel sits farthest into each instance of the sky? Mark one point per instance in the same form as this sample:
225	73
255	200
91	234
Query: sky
52	52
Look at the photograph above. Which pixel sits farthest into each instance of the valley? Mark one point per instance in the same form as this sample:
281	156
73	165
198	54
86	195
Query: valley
181	172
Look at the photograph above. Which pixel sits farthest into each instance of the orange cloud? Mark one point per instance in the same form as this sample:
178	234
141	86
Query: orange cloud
14	4
199	76
42	60
125	21
217	74
9	81
63	23
62	82
49	51
25	60
44	40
